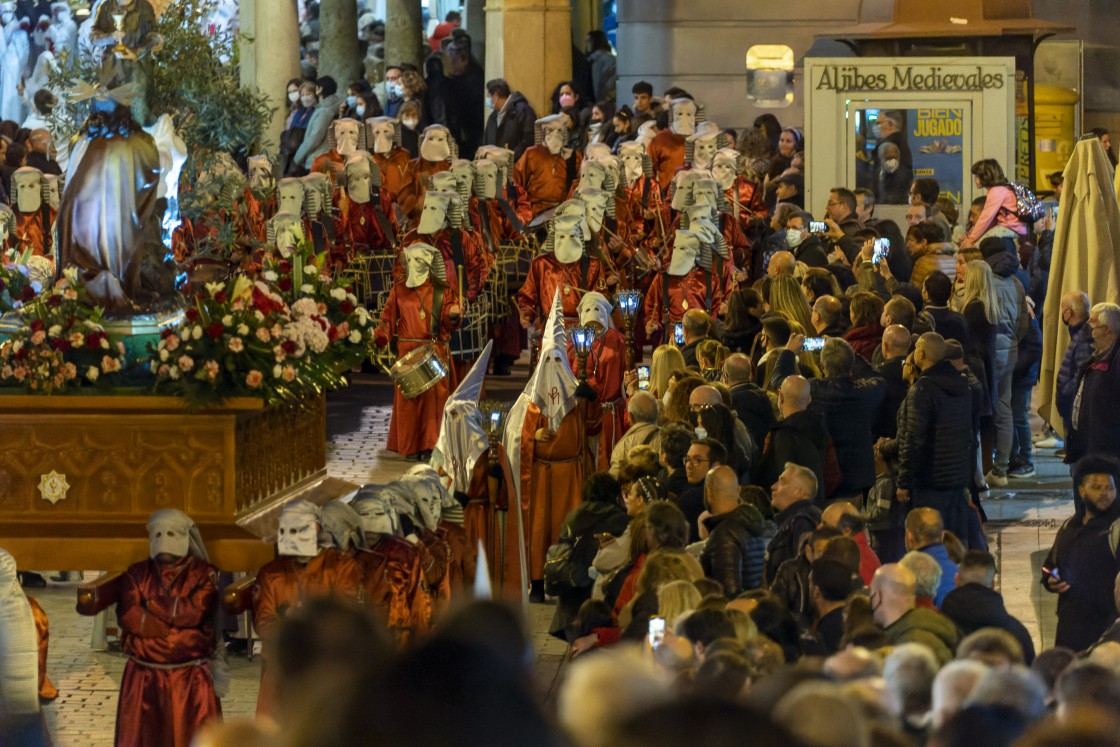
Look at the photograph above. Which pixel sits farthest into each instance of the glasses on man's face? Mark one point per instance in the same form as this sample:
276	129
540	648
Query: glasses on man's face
692	461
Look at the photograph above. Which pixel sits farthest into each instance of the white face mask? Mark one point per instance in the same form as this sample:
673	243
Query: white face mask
724	173
433	216
293	96
568	243
428	502
291	197
28	187
172	540
378	517
701	432
418	271
485	180
684	119
298	537
702	152
358	182
890	165
351	101
383	134
288	233
260	174
685	251
555	138
360	110
346	137
596	210
632	163
794	237
434	147
410	123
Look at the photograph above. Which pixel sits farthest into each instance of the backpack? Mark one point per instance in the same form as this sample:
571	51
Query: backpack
1028	208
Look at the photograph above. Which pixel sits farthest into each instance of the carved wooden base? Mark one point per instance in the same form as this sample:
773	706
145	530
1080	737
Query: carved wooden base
80	475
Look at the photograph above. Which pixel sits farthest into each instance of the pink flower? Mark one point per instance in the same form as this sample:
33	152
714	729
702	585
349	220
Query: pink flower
186	363
263	334
236	345
289	373
212	368
110	365
38	337
254	378
172	343
163	370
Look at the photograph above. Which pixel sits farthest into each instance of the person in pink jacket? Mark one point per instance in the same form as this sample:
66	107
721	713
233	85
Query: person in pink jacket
998	218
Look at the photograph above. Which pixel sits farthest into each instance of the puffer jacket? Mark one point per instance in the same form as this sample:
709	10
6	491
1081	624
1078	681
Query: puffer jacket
1012	320
941	256
851	408
796	520
1077	356
935	431
736	548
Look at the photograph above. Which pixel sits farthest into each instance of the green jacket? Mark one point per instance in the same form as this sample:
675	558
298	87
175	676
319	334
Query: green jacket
926	626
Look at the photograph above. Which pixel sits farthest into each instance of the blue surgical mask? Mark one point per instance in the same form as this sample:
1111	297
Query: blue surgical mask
361	110
351	101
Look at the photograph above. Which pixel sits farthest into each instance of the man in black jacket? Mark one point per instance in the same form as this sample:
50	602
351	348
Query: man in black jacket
936	291
895	348
974	604
801	437
806	247
736	543
749	402
851	408
703	455
1094	422
697	327
510	124
792	498
935	437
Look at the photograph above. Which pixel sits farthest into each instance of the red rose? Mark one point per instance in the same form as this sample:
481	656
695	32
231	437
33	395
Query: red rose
285	284
163	335
346	307
220	296
54	300
93	340
332	333
27	293
192	314
215	330
285	267
59	343
36	325
289	346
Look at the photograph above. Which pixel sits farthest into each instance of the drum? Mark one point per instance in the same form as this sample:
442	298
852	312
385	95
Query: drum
468	341
418	371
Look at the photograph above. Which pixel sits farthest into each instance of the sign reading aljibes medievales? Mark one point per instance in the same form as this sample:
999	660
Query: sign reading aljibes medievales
907	78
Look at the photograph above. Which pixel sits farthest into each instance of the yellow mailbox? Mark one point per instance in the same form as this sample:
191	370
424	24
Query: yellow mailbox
1054	134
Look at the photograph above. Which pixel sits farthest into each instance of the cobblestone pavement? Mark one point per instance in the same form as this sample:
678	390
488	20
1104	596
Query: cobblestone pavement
1024	518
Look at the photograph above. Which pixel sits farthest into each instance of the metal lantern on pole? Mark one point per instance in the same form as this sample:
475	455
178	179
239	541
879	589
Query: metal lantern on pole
495	413
628	302
582	337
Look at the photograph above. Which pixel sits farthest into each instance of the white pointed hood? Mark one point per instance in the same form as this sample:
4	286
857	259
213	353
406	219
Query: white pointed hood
553	385
463	433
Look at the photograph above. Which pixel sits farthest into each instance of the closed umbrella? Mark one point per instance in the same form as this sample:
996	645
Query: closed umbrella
1086	256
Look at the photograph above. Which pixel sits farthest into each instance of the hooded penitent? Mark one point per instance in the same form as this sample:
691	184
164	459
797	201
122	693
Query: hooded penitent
463	432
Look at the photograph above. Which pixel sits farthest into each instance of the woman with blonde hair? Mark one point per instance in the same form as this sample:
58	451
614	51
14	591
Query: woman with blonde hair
666	360
787	298
674	599
979	306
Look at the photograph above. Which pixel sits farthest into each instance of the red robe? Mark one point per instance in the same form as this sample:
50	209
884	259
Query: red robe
332	163
463	560
747	195
393	585
546	274
544	177
475	270
256	214
31	233
394	170
643	218
361	227
414	426
284	584
552	474
666	150
166	615
501	228
605	367
411	195
688	292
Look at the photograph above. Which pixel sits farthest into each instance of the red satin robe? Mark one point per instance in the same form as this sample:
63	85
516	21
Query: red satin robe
463	560
605	367
30	232
544	177
748	197
414	426
166	615
284	584
688	292
632	204
476	267
411	195
552	474
393	585
546	274
256	214
332	163
361	228
394	170
501	228
666	150
47	690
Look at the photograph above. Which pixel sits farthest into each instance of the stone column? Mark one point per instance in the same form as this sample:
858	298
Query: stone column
339	57
270	56
529	43
587	15
403	31
474	21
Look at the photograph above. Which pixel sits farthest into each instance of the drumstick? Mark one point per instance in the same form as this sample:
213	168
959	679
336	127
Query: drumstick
461	298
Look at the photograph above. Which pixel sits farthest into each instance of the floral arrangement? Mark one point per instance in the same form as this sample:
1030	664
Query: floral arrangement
23	280
283	336
63	345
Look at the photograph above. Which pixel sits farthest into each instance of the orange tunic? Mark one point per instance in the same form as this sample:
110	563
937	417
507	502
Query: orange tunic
414	426
393	585
32	234
516	199
361	226
284	584
256	212
687	292
463	560
546	178
332	163
666	150
411	195
47	690
475	266
605	367
552	474
394	170
546	274
166	613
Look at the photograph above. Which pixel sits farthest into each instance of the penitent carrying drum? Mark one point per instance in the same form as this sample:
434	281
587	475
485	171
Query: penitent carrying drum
418	371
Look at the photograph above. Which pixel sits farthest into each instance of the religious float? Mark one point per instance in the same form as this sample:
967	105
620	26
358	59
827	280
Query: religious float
132	379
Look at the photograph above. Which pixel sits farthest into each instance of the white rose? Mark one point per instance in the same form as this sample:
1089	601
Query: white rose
355	337
276	371
307	288
174	373
338	293
55	330
270	276
163	356
243	329
227	321
196	332
92	373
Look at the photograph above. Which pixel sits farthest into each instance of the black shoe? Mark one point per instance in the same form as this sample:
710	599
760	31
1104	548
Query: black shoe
30	580
237	646
536	592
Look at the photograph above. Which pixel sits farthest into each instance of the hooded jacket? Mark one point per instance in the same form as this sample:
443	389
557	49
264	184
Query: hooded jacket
974	606
926	626
736	549
1012	320
935	431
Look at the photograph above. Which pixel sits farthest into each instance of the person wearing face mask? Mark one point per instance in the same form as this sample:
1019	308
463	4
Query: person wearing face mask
34	214
666	150
437	151
690	281
894	178
390	566
511	120
315	139
301	105
805	246
562	268
344	137
305	568
355	92
383	140
547	170
605	366
745	195
394	91
642	215
166	608
422	309
258	198
368	220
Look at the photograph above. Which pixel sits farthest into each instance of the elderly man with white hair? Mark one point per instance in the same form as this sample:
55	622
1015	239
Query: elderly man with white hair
1094	427
643	410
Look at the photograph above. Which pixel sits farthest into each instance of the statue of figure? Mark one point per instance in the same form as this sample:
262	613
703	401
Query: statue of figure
128	29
